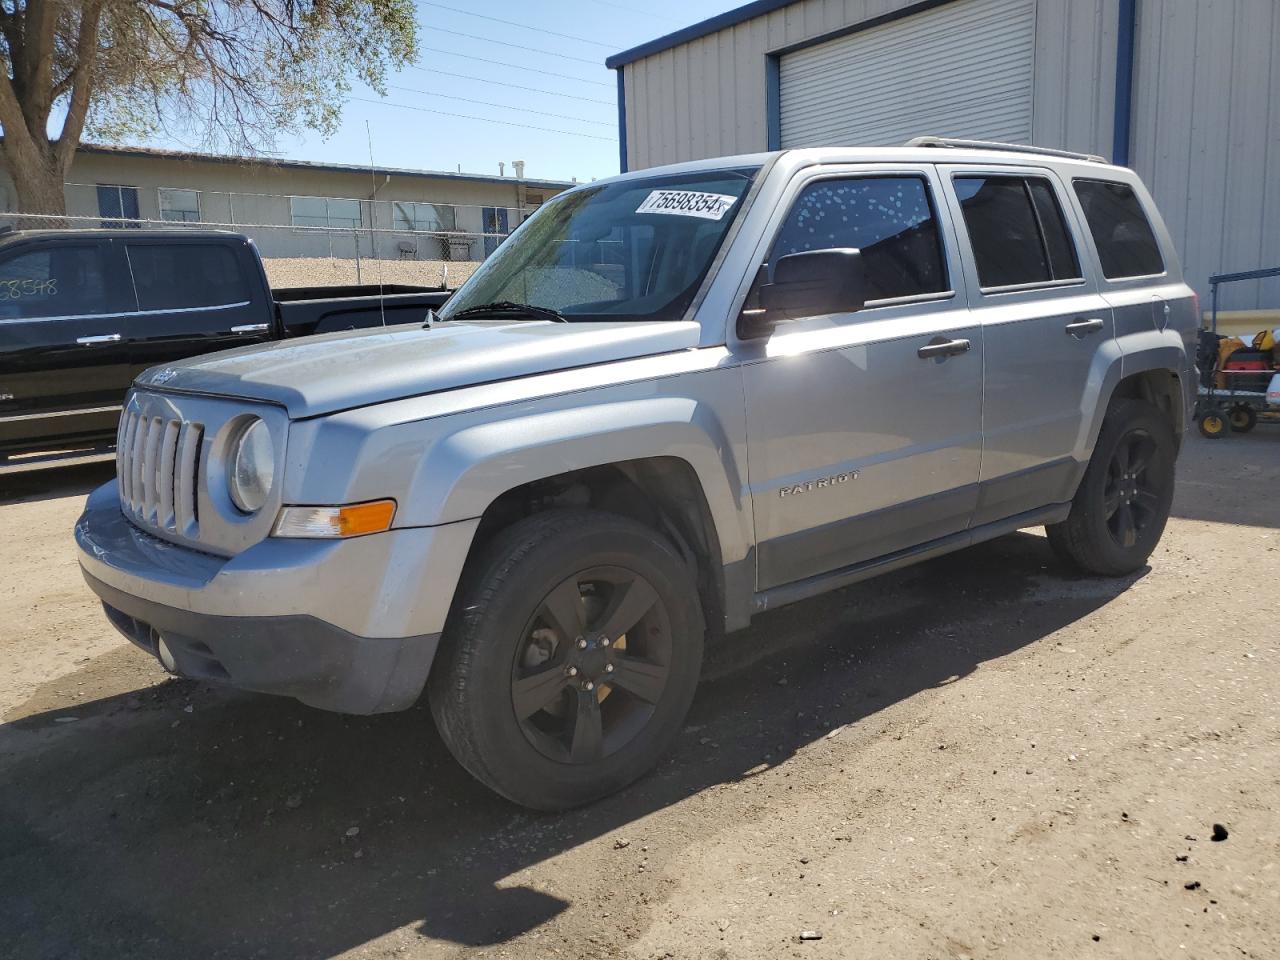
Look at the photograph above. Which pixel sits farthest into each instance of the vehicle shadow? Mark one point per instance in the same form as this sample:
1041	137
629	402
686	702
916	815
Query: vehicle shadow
143	830
1230	480
54	482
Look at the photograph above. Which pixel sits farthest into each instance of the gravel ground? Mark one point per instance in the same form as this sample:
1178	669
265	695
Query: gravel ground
979	757
326	272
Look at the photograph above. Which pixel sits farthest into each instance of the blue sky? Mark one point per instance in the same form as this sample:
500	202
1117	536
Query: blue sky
584	106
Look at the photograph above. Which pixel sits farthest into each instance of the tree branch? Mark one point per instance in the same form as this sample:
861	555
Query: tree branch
82	77
41	19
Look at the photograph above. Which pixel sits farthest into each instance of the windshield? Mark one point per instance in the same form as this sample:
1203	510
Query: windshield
633	250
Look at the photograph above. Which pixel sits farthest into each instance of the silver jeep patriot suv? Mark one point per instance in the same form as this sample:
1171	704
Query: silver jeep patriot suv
669	400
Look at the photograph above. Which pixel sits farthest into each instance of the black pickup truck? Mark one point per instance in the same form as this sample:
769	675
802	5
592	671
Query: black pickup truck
83	312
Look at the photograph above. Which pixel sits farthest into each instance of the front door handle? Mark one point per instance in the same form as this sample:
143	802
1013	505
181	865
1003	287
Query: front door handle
1078	328
942	347
250	328
105	338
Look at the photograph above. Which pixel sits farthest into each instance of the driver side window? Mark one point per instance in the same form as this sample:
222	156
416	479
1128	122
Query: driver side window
53	281
891	219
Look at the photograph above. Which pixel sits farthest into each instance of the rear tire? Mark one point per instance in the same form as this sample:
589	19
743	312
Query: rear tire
1120	509
570	659
1243	419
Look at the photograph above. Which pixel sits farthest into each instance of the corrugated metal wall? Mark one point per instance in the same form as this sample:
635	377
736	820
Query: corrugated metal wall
1206	109
942	92
706	98
1206	136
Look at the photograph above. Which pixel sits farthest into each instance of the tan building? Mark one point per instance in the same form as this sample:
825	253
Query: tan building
297	208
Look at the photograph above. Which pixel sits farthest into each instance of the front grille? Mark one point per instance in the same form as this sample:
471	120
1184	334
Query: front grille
157	460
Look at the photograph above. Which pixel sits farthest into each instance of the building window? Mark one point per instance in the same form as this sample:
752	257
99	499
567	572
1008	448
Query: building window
179	206
118	206
325	212
428	217
496	227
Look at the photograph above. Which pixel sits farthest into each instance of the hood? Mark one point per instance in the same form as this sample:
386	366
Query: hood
311	376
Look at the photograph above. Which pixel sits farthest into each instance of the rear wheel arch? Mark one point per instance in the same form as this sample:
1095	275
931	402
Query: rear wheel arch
1159	386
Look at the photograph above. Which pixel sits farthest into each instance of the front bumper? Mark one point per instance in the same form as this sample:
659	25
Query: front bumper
350	626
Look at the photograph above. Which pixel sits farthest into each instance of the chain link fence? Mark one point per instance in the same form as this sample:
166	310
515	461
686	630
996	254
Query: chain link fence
324	241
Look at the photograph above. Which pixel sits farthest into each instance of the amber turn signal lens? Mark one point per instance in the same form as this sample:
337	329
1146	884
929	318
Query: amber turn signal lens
352	520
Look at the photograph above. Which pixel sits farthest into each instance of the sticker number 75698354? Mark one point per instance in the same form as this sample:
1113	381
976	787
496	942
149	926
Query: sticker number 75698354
687	203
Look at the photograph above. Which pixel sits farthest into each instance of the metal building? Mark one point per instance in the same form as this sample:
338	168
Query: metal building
1187	92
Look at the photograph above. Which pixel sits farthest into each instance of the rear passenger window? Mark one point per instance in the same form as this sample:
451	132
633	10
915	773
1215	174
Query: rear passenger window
54	281
1123	235
1017	231
890	219
186	275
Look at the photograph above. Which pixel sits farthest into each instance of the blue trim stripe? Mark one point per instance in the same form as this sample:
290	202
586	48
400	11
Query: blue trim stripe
711	25
622	123
1121	131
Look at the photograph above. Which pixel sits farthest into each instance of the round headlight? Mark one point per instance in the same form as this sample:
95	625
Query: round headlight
253	466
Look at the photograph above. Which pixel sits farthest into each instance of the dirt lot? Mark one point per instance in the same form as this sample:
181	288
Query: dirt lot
979	757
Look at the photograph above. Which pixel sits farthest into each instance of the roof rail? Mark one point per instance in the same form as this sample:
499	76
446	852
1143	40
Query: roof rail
995	145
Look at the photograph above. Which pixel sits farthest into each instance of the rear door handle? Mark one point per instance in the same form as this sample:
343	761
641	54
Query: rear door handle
105	338
1078	328
942	347
250	328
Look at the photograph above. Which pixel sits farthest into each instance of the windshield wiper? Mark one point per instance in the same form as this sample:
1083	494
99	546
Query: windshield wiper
507	306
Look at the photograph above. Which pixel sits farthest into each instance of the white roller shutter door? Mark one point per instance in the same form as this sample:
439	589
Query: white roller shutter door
962	70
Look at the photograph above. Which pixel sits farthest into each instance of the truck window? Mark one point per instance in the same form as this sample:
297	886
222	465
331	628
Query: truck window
55	281
1017	231
182	276
890	219
1123	235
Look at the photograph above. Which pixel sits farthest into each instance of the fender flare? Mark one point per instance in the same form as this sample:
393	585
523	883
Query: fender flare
467	470
1124	357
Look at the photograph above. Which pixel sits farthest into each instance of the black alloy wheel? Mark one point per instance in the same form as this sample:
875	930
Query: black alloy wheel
593	665
1131	500
570	658
1123	501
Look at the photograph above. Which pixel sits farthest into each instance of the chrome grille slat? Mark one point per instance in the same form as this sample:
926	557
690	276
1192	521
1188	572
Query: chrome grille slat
123	445
165	478
157	462
190	436
135	464
151	469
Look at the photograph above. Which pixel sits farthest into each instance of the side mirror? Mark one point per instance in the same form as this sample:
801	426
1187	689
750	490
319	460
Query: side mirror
808	284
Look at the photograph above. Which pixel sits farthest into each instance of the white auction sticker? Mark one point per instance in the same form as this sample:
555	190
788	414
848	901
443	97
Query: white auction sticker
687	203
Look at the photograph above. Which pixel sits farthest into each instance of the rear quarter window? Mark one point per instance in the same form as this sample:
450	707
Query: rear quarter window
1121	231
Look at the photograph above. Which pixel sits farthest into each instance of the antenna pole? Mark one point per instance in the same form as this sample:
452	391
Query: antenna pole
373	215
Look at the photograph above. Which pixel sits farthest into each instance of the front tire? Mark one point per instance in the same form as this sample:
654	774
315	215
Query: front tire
1121	507
570	659
1213	424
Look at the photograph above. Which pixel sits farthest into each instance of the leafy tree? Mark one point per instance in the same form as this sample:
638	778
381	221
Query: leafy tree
231	73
